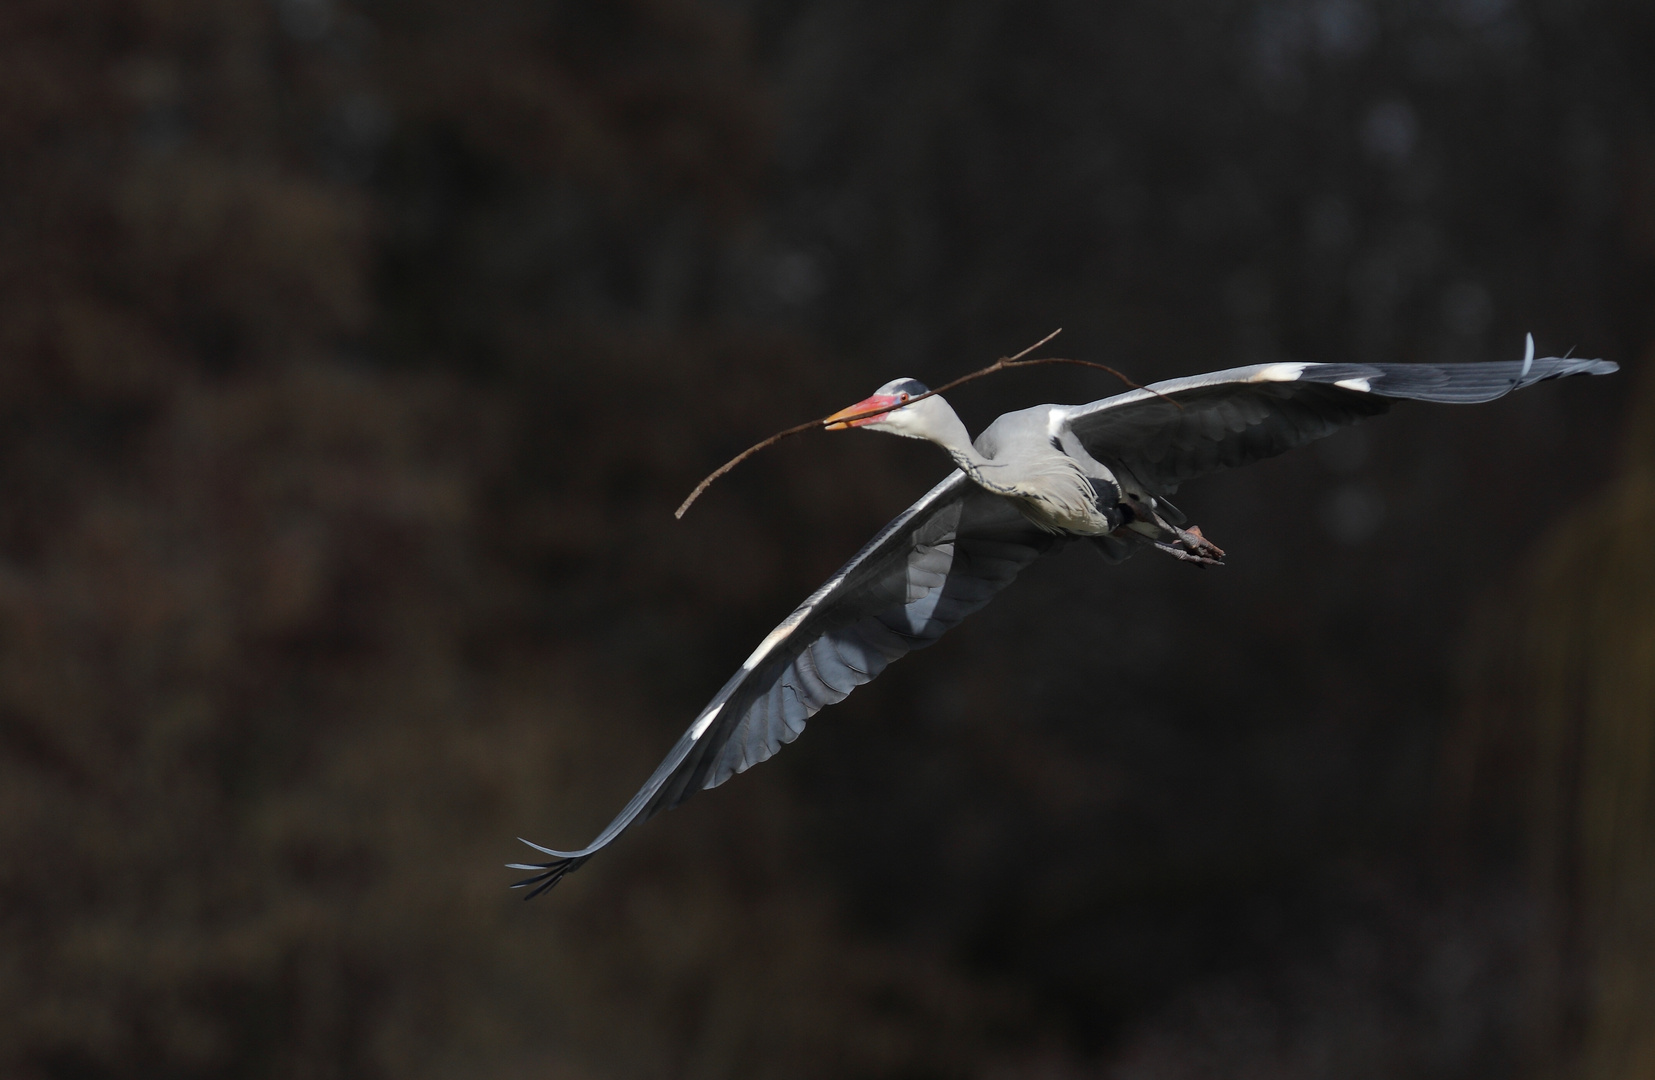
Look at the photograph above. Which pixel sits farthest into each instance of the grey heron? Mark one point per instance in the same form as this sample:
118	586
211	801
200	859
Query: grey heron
1033	481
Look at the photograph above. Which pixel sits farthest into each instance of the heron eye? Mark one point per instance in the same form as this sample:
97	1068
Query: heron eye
904	398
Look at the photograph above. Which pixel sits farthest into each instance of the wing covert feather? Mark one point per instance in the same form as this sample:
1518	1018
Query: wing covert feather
949	565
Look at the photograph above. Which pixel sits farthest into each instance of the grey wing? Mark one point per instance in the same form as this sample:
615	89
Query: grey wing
939	561
1173	431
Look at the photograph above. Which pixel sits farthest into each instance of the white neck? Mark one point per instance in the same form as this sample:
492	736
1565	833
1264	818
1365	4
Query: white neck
935	421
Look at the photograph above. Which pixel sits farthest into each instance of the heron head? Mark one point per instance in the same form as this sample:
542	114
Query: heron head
894	396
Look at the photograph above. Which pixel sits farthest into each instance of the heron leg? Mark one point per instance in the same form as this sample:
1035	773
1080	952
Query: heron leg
1142	522
1193	540
1188	555
1187	545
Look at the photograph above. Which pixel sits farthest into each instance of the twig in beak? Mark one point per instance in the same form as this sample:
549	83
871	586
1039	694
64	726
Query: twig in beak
1003	364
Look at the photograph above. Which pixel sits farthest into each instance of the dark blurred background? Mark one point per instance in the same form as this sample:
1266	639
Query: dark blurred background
354	353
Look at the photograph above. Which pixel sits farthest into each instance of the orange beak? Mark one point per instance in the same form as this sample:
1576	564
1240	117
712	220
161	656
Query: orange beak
845	419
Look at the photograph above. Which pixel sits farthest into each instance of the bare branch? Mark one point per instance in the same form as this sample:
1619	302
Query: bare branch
743	456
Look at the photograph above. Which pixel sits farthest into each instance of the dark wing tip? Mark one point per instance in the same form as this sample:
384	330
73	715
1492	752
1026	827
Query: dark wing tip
550	872
1453	383
1561	367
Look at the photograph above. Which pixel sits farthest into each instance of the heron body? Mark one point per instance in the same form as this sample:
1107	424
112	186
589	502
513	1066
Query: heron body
1032	482
1033	458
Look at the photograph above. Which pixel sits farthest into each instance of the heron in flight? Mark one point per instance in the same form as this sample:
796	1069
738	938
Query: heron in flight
1034	481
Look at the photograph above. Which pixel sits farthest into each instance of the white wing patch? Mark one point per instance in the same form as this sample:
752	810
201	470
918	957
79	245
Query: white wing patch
1354	384
774	638
1279	373
705	722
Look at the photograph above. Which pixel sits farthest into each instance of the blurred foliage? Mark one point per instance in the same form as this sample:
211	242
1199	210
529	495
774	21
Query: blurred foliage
1563	715
352	358
272	699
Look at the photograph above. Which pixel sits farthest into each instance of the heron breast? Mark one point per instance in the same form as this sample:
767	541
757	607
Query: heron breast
1071	503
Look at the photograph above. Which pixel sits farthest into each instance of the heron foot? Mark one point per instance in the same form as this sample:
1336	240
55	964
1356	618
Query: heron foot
1191	546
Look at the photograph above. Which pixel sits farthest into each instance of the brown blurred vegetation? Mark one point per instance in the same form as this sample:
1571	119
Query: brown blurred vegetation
352	358
1562	726
273	701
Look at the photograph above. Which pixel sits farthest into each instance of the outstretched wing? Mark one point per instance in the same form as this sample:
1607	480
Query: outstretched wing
1176	430
938	562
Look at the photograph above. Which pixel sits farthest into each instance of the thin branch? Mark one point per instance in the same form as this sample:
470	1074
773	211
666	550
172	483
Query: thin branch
739	458
1005	363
